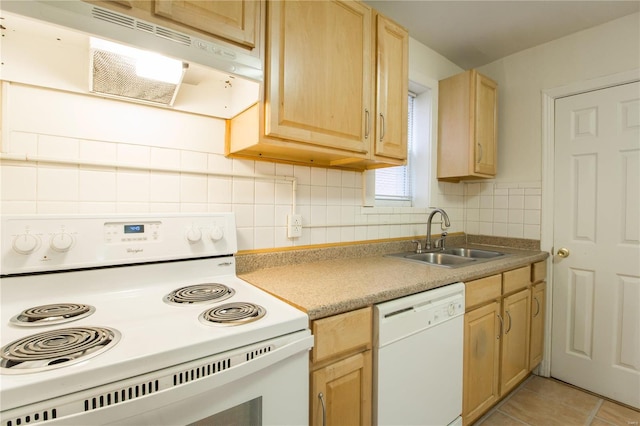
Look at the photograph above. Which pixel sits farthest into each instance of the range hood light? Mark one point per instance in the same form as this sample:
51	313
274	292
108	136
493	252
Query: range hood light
160	68
123	71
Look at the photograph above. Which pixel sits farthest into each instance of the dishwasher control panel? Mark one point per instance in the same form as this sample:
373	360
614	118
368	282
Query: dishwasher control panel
398	318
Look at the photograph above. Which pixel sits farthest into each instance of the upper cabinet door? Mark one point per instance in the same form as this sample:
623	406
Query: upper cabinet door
485	126
319	77
392	88
235	21
467	127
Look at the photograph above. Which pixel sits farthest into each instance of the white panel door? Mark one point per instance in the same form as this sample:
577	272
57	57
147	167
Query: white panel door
596	288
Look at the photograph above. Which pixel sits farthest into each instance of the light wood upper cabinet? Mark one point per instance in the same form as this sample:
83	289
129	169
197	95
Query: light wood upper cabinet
392	88
467	127
321	106
318	85
237	22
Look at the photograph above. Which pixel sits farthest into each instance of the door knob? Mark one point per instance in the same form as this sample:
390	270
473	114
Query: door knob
563	252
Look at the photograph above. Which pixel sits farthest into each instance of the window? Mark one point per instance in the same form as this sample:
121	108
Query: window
410	185
394	183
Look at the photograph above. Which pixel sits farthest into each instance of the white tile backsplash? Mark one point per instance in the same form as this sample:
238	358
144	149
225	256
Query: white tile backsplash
506	209
329	200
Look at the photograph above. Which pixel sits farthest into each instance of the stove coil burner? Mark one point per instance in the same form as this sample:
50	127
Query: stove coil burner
57	313
233	314
56	348
199	293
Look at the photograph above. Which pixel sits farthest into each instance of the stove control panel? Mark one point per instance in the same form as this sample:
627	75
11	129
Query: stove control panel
137	231
33	243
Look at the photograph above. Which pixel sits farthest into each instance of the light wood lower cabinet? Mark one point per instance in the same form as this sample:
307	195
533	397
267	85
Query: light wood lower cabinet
514	359
538	303
341	371
538	300
497	339
481	360
341	392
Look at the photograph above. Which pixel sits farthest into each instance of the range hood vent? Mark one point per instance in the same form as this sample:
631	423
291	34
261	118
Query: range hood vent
136	24
115	75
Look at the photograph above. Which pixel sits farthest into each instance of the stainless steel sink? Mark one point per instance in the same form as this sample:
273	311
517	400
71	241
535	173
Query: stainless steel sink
436	258
439	258
450	258
472	253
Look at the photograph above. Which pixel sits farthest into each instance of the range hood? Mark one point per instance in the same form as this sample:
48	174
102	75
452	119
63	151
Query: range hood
47	43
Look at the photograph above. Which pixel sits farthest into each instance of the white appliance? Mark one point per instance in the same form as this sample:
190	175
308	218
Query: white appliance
106	23
164	330
418	358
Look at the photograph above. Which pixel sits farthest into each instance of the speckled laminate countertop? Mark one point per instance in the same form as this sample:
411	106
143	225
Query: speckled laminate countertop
328	287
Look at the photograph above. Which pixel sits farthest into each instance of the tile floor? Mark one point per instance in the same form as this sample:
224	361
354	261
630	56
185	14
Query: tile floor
547	402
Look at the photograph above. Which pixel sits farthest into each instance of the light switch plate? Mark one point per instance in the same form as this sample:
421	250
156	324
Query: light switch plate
294	226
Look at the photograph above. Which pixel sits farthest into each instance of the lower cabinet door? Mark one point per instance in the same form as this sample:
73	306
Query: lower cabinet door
481	357
515	339
341	392
538	293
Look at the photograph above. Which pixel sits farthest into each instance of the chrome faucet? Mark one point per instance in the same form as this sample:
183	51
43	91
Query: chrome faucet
444	234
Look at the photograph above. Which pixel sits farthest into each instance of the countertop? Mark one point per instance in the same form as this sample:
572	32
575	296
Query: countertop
328	287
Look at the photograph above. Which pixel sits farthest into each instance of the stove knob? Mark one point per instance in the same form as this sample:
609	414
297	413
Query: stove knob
194	235
216	233
61	242
25	243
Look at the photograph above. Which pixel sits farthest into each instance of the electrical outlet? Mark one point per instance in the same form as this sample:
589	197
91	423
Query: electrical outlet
294	225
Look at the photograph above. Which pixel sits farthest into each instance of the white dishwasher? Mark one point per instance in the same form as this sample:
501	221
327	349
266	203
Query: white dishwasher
417	375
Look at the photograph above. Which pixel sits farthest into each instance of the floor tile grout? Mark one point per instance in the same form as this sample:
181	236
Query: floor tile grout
592	414
594	411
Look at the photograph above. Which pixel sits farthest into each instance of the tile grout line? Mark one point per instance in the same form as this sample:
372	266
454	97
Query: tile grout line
496	407
511	395
594	411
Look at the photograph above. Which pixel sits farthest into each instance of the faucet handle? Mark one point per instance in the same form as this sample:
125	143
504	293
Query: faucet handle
440	241
418	246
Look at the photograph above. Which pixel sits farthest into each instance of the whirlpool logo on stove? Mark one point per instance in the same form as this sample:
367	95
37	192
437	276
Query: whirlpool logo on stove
134	250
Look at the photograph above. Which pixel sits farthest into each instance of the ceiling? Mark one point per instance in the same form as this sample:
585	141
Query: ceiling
475	33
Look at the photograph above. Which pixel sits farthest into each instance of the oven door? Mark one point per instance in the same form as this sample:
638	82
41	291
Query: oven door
271	389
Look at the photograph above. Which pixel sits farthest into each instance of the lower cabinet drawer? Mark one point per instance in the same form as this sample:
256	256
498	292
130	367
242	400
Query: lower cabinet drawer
341	334
483	290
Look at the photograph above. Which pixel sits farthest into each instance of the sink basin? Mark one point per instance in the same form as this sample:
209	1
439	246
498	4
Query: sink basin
473	253
435	258
451	257
439	258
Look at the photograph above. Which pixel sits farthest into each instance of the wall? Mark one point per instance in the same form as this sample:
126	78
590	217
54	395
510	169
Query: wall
55	124
109	136
607	49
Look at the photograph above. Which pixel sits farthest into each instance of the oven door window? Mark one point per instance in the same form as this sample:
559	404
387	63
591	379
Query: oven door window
246	414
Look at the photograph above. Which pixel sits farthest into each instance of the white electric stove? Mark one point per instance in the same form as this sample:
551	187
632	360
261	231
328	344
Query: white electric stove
142	320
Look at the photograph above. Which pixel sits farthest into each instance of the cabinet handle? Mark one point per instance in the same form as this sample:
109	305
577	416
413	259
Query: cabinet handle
479	153
382	126
324	409
537	306
501	326
508	329
366	123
